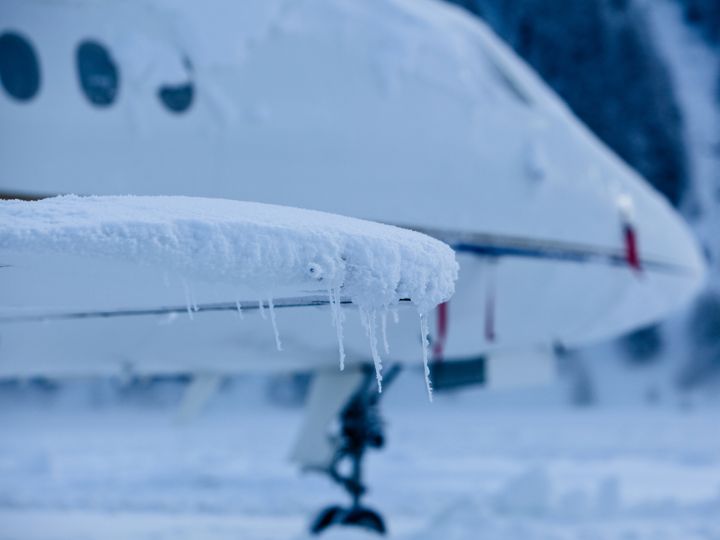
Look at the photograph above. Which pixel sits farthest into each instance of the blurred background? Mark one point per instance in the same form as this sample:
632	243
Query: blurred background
624	444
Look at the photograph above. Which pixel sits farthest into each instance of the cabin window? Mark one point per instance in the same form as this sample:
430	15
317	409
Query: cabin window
98	73
178	98
19	66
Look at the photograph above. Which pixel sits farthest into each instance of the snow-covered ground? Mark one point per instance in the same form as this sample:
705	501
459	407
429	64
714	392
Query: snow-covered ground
468	466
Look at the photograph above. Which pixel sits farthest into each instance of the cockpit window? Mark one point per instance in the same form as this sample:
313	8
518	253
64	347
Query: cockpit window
19	66
511	84
98	73
178	97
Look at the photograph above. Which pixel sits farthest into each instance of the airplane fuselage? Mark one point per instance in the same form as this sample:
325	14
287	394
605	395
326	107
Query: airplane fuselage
404	113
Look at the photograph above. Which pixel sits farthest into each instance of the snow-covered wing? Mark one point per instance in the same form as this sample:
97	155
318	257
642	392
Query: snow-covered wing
262	247
71	258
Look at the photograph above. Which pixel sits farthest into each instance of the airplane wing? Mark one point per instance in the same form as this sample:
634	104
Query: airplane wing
102	280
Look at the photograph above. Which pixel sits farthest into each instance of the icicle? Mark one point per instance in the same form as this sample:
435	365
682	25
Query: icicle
338	318
188	300
190	297
261	306
396	316
239	309
424	333
383	326
369	320
271	305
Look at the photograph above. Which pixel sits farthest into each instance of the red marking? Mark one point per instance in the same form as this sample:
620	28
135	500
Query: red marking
442	325
632	255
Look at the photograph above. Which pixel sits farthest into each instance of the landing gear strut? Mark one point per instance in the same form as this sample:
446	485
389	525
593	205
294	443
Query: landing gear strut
361	428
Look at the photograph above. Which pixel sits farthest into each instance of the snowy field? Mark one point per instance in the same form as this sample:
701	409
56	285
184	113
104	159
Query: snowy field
467	466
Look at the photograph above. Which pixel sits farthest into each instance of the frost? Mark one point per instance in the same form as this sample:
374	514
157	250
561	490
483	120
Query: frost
424	333
259	246
271	307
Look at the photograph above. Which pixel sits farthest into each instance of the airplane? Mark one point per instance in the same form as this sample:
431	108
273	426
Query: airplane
405	112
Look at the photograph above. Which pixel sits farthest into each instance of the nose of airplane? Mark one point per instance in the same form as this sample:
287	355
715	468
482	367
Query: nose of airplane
590	197
661	262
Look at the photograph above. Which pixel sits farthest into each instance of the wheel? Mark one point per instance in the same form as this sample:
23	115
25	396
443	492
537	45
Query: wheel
365	517
327	517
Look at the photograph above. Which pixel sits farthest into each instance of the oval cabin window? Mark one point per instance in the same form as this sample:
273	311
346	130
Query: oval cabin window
98	74
19	67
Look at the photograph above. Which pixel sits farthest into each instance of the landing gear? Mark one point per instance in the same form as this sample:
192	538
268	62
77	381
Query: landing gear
361	428
355	515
